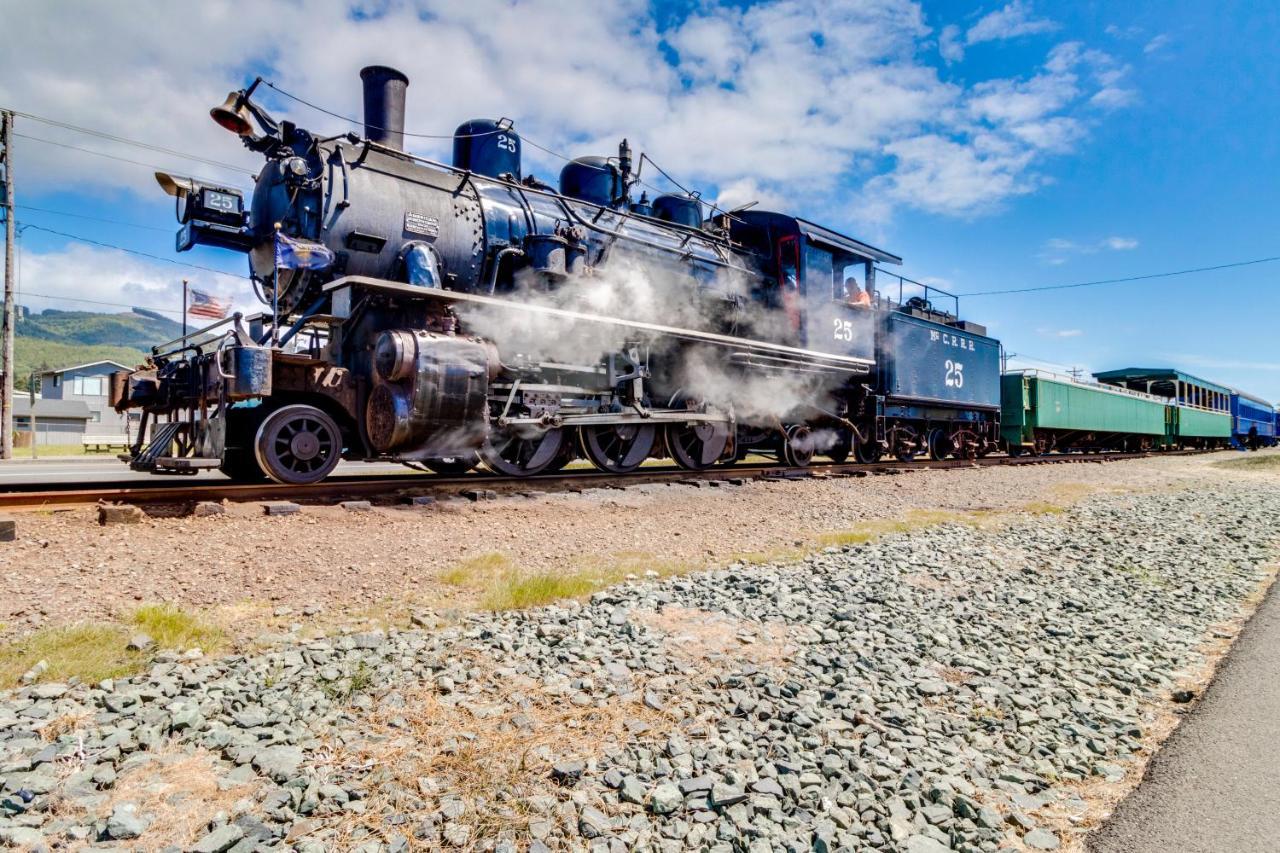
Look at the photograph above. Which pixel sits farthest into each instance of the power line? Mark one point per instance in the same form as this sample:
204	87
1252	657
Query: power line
147	145
1123	280
121	159
90	218
133	251
350	120
27	293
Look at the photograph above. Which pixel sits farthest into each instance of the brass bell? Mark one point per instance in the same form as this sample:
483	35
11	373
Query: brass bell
233	115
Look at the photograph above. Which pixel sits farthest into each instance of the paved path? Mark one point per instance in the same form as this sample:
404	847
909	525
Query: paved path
1215	786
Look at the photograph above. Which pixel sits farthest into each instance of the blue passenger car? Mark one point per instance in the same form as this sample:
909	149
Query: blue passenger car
1253	421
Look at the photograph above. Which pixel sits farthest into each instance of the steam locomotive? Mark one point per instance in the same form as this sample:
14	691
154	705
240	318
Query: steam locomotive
469	313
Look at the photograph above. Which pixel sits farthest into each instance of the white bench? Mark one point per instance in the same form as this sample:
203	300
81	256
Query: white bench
104	442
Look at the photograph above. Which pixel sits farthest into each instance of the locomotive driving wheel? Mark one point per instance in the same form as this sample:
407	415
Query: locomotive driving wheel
618	448
867	452
697	445
297	445
519	454
797	451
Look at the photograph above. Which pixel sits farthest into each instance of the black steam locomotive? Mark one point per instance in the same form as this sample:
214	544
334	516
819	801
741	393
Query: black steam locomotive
471	313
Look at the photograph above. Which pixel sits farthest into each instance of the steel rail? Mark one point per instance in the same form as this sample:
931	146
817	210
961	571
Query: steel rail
393	486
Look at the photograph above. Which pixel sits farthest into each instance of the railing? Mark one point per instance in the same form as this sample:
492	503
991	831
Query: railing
1093	386
907	288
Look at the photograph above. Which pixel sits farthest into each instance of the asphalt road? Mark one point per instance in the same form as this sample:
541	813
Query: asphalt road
108	469
1215	786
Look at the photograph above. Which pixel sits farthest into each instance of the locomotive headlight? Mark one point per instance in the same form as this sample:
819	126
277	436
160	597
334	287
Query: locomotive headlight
297	166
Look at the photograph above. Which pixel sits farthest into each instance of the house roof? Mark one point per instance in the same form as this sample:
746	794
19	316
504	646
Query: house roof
73	409
86	364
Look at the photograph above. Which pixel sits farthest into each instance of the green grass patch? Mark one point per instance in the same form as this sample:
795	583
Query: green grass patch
476	570
1253	462
173	628
516	592
879	527
513	589
94	651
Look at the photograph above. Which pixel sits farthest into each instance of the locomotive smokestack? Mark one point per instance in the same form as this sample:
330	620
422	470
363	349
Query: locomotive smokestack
384	90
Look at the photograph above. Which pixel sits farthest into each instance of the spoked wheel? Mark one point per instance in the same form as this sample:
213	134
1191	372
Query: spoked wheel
798	449
618	448
904	447
522	454
297	445
697	445
452	465
867	452
939	445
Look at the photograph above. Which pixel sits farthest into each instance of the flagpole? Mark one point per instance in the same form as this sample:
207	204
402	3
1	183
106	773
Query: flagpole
184	311
275	290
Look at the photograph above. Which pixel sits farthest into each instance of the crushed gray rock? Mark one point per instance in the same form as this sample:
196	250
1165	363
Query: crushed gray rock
931	691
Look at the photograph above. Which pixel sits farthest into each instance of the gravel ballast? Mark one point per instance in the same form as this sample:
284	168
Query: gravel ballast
953	688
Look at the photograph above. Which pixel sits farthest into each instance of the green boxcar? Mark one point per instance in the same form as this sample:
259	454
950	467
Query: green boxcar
1042	410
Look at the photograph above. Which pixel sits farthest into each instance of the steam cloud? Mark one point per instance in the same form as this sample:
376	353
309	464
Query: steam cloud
628	290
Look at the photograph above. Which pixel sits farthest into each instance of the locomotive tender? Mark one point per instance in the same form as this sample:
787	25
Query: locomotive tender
473	313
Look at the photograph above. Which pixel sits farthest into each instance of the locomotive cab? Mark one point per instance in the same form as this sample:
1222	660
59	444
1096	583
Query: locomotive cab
804	288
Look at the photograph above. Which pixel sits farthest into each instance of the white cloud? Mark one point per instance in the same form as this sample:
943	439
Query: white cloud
1156	43
1056	249
88	278
790	101
1059	333
1011	21
951	43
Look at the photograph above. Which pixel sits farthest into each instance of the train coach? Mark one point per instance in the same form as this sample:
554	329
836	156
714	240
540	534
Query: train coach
1198	415
1253	421
1044	412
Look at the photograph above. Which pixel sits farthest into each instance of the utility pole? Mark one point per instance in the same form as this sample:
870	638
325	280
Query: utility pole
6	392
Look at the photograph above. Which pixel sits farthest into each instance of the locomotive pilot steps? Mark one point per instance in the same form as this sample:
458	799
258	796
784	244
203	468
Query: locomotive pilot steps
448	315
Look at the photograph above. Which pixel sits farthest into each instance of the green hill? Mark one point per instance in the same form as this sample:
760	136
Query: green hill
54	339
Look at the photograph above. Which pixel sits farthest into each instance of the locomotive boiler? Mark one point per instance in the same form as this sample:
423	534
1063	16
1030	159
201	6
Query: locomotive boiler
452	314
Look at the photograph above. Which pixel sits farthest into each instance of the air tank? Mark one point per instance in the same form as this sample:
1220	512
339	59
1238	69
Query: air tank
487	147
680	209
591	179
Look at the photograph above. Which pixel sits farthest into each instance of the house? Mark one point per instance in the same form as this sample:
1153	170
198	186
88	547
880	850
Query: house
57	421
90	384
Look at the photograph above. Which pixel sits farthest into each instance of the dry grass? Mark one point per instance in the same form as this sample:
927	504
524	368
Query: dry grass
94	651
478	569
177	791
915	519
700	636
494	758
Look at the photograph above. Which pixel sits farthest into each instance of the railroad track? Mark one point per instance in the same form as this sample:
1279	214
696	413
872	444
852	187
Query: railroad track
393	488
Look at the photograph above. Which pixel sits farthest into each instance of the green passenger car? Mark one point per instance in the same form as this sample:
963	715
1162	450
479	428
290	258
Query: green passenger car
1044	411
1199	412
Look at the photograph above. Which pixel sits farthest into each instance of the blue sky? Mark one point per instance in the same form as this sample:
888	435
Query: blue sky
993	145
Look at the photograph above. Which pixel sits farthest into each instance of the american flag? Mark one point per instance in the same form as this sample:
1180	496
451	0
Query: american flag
204	305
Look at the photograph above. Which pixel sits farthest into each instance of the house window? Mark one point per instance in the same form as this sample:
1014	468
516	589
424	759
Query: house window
87	386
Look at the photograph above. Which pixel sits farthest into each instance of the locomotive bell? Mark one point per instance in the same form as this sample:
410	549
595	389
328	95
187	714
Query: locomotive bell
233	115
